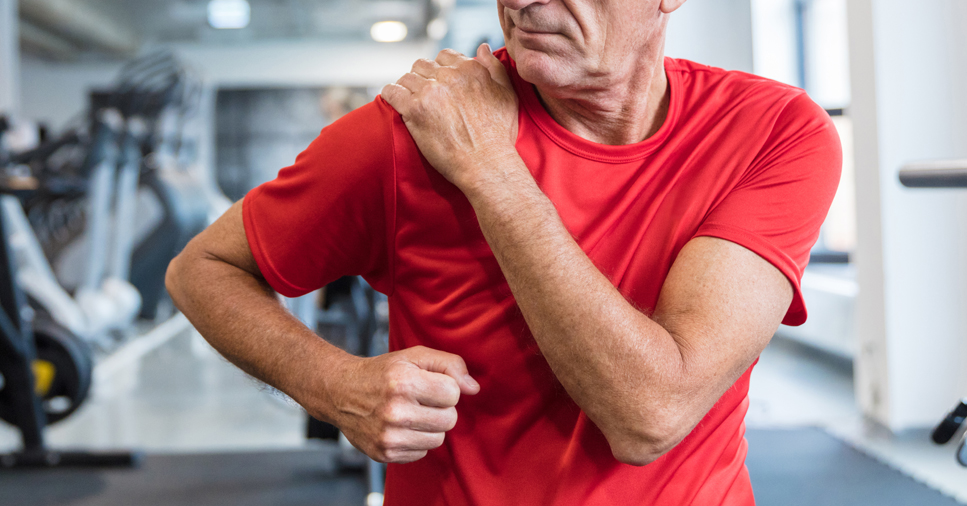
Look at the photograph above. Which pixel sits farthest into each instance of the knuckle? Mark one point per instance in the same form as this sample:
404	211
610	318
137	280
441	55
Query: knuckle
447	73
388	442
450	419
397	386
436	440
447	52
451	391
419	106
407	457
393	414
397	380
471	66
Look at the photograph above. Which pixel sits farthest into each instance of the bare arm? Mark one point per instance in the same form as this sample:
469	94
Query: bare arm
645	382
216	283
394	407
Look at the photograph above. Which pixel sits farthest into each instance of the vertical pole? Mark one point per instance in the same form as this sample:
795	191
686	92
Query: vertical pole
9	58
17	353
911	327
800	19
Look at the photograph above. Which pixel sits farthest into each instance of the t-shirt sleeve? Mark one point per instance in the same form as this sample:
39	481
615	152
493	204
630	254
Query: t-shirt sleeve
331	213
778	206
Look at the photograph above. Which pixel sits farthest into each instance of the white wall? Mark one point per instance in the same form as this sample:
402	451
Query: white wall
774	36
827	53
56	92
776	48
469	24
909	74
713	32
9	61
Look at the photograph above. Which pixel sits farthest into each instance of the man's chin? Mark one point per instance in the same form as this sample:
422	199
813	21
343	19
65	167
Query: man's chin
538	67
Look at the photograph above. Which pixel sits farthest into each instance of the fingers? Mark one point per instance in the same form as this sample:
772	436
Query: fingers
396	96
412	82
450	58
406	446
409	404
419	418
402	90
445	363
425	68
497	71
436	390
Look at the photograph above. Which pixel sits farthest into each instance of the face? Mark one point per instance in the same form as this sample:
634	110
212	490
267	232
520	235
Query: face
583	43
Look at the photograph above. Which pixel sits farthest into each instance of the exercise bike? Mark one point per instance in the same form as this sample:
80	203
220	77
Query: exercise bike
161	93
105	301
45	370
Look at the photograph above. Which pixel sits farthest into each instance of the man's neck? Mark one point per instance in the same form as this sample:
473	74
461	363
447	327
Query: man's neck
614	111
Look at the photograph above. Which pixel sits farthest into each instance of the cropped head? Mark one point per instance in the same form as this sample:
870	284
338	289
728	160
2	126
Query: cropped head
579	43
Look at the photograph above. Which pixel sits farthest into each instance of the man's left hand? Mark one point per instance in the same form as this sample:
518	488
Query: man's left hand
462	113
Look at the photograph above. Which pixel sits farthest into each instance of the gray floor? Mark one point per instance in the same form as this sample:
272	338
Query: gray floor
181	397
795	386
177	395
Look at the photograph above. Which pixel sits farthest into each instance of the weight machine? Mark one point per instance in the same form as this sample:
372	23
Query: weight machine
26	368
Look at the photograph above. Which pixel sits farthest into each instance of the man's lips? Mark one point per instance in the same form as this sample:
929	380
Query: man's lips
532	31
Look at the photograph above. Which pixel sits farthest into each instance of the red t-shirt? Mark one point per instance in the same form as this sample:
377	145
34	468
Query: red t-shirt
739	157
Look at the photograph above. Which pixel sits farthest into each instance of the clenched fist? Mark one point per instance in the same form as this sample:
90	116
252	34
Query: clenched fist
397	406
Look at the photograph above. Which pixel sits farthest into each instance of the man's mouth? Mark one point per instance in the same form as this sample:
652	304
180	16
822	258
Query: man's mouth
534	31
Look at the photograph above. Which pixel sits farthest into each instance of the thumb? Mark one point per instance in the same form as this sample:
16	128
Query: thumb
497	71
446	363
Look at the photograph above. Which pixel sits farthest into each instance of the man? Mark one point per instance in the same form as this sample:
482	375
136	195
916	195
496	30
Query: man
585	245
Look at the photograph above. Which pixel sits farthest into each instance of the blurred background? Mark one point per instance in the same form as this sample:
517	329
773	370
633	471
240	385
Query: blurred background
129	125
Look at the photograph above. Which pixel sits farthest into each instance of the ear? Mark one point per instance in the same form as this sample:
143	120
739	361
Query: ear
670	6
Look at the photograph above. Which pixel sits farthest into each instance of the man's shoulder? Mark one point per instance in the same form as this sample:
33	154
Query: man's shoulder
701	75
717	93
377	118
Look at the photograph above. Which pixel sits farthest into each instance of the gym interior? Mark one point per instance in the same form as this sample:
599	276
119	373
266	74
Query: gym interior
131	125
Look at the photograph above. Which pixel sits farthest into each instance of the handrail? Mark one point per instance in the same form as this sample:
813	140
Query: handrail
935	174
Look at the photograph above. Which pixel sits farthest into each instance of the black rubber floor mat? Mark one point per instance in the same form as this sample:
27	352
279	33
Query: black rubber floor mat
293	478
803	467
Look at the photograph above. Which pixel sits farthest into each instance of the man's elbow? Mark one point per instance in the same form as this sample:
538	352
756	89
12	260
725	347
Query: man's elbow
641	446
173	278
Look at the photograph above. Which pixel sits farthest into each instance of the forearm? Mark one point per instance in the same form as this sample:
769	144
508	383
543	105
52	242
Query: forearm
243	319
624	370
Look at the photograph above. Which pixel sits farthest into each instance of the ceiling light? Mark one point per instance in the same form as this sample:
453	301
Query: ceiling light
388	31
437	29
229	14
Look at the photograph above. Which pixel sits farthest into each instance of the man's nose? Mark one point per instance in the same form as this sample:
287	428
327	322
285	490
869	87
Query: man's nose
520	4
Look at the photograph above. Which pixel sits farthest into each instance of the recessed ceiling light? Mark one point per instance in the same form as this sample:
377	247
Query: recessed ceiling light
229	14
388	31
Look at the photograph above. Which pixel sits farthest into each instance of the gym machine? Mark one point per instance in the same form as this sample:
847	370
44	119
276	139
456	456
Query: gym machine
38	368
942	174
83	189
159	92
